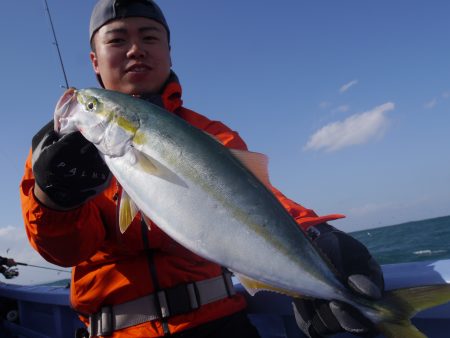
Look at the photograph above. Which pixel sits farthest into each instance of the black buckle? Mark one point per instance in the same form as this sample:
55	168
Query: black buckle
81	332
180	299
106	321
226	275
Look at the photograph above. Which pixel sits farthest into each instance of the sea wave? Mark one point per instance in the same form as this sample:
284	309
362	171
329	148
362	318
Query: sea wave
428	252
427	239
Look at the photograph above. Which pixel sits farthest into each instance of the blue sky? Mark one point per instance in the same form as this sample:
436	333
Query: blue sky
349	99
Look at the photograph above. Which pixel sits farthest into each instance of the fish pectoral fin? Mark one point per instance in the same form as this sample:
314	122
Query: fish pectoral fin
151	166
127	211
257	163
253	286
145	162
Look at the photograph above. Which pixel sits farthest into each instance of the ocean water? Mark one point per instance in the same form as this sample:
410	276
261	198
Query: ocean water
427	239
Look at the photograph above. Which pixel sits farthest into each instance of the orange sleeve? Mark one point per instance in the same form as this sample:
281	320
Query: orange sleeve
224	134
64	238
303	216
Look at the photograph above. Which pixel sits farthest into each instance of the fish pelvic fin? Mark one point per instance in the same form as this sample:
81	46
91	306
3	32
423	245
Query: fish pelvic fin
147	222
405	303
127	211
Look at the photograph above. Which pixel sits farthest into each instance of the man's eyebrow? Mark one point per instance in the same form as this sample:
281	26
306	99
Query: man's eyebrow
149	28
116	30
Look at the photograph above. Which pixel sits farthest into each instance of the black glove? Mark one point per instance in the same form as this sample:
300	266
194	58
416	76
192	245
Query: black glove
68	169
357	269
10	273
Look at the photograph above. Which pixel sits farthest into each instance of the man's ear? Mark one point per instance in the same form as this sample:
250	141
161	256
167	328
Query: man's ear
94	62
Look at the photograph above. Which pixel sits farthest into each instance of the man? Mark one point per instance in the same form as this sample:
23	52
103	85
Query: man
142	283
5	267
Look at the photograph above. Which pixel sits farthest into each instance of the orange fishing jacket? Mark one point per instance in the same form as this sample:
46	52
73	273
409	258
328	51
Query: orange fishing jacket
110	268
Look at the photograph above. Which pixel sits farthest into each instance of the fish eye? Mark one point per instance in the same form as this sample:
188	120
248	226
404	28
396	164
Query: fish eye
91	104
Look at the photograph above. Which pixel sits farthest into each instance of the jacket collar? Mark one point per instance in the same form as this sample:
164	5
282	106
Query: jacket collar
170	97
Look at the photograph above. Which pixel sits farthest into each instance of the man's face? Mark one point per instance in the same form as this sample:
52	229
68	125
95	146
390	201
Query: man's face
132	55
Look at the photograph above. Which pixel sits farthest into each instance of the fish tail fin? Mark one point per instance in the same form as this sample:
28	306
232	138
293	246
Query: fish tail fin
400	330
405	303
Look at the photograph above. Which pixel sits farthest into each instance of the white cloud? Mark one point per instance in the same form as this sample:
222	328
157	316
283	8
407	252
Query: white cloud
324	104
8	231
356	129
431	104
14	244
341	109
13	241
347	86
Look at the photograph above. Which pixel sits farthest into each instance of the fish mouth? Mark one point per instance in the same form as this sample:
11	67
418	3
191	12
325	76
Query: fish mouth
63	109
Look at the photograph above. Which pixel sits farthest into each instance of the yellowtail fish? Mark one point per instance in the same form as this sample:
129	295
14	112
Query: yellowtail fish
217	202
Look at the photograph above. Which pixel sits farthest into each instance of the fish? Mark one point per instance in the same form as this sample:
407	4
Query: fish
217	202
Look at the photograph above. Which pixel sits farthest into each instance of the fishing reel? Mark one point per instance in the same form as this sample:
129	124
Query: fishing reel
11	272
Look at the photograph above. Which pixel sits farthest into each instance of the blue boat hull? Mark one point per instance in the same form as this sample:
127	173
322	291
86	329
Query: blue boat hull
44	311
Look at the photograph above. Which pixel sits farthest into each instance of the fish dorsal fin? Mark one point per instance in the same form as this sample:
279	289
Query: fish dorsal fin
127	211
253	286
257	163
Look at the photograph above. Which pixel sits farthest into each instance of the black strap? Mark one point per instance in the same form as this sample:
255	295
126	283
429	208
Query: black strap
153	274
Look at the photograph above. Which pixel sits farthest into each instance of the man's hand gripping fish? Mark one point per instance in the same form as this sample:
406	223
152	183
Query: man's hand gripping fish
217	203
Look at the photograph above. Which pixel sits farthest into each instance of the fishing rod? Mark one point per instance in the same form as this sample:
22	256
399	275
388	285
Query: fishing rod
56	44
41	267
